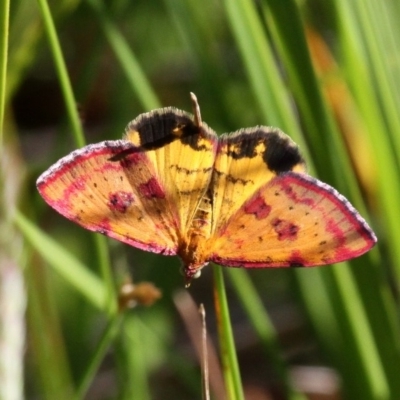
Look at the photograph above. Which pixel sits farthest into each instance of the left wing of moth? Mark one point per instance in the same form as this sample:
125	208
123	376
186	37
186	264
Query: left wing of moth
112	188
293	220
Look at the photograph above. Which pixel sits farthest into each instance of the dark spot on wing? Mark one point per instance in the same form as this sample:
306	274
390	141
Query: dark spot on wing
285	230
120	201
282	154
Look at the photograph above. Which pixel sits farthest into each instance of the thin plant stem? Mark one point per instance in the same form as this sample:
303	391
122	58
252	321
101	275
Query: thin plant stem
108	336
73	117
4	25
230	363
263	326
61	70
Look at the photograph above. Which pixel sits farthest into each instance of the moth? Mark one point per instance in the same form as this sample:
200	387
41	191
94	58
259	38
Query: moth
172	186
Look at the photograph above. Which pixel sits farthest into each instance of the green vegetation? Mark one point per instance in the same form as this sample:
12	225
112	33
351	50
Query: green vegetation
326	72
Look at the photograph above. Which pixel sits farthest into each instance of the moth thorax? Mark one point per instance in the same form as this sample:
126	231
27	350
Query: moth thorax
201	223
192	251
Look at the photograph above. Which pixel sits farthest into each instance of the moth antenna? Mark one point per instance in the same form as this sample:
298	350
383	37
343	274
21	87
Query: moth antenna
204	367
196	110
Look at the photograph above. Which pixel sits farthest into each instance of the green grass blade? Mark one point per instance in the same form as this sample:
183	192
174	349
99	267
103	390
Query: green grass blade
342	331
366	280
263	326
287	31
134	74
71	269
4	27
73	117
355	49
192	21
230	364
46	339
62	72
320	129
137	366
108	336
263	73
360	341
356	66
371	17
103	261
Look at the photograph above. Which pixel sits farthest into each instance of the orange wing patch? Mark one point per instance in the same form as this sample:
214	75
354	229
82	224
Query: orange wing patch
294	220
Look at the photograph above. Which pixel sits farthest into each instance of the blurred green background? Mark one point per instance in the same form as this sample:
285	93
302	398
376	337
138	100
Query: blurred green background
325	72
